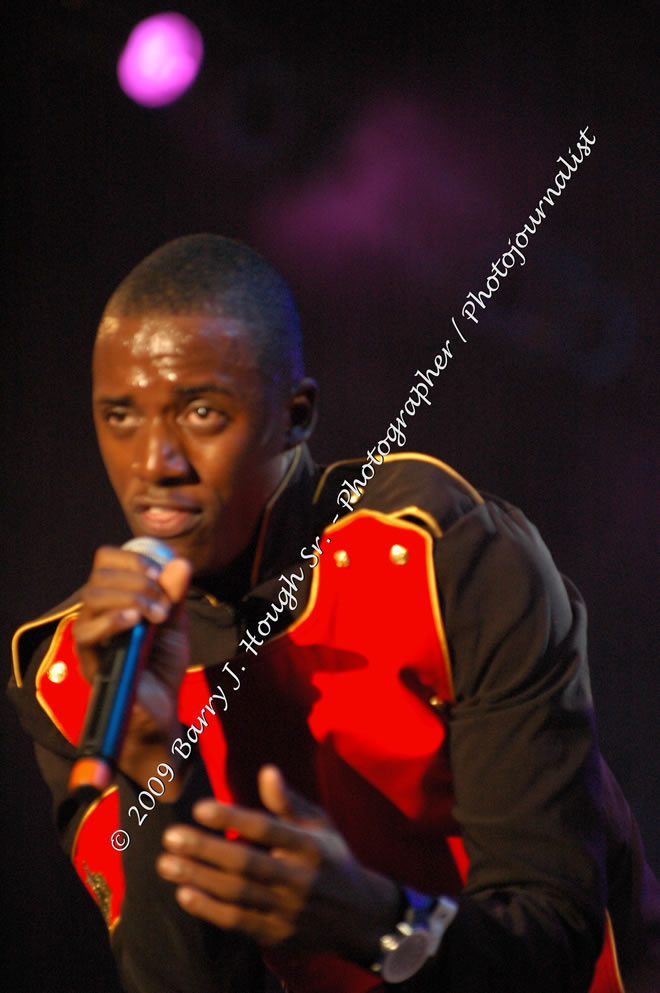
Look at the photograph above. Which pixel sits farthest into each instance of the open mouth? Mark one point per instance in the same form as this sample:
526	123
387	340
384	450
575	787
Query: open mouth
167	521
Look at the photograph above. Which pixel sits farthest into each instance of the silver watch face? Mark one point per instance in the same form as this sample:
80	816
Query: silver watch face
407	958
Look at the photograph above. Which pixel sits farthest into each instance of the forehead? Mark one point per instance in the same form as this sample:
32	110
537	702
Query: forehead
171	346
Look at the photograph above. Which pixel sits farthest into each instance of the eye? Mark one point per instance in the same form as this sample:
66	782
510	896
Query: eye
120	418
204	416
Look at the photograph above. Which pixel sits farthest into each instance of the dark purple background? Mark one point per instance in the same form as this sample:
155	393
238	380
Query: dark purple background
382	160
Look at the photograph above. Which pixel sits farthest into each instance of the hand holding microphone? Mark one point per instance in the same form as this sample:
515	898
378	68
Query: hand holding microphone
131	639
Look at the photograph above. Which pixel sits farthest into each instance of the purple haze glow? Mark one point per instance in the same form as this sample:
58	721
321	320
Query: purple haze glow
160	59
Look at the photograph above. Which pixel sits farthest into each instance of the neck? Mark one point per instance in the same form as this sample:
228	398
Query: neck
233	582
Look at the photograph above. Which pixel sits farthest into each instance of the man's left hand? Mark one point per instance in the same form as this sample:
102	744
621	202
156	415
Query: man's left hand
288	878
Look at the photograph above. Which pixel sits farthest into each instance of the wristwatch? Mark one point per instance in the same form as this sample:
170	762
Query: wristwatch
416	938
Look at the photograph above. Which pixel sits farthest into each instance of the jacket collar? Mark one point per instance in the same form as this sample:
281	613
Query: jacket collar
285	526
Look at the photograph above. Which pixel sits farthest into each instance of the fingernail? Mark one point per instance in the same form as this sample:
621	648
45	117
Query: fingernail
186	895
130	616
206	810
174	838
159	612
170	866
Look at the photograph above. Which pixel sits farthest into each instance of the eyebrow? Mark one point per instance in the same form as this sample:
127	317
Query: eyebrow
184	391
123	401
202	388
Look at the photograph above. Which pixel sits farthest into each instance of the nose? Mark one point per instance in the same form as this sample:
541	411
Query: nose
159	456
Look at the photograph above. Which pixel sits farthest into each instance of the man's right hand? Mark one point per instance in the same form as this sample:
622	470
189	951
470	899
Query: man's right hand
122	589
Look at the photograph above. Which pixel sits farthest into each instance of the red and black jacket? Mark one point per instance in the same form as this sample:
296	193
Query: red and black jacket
430	690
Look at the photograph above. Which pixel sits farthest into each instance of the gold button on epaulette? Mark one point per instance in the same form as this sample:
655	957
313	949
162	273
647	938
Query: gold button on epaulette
57	672
341	559
398	554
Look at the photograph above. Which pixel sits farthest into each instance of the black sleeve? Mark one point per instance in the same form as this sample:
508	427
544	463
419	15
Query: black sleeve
525	766
633	894
158	947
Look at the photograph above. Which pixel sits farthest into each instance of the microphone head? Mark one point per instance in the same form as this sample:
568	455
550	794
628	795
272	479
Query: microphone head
150	548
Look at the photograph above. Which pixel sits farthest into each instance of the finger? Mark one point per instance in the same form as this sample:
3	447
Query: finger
175	579
92	631
273	791
255	826
114	601
171	647
121	559
233	856
108	591
266	928
228	887
284	802
119	569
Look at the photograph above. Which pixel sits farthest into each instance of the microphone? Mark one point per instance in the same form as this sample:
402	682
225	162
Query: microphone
113	689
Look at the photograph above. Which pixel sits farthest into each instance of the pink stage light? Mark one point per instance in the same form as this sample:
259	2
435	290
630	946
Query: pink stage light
160	60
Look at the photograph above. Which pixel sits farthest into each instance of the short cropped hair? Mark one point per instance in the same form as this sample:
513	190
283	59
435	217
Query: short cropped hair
210	274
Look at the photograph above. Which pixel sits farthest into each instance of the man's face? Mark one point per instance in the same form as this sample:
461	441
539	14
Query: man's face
190	430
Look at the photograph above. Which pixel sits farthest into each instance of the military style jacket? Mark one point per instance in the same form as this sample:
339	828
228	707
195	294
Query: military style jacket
417	666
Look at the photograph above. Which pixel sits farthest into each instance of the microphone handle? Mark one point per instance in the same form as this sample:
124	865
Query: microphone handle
113	689
109	708
110	704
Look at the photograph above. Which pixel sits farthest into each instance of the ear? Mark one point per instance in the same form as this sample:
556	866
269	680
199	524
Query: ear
302	412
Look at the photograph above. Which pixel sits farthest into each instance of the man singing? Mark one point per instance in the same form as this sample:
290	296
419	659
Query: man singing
361	754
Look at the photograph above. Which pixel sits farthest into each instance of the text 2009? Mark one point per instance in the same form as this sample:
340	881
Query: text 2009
146	797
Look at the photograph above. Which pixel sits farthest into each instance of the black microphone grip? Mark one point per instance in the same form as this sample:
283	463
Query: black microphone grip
113	689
